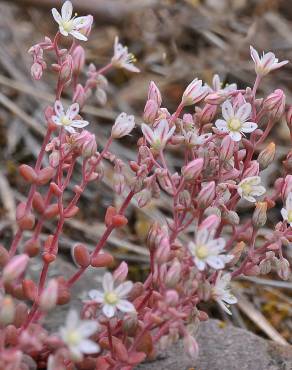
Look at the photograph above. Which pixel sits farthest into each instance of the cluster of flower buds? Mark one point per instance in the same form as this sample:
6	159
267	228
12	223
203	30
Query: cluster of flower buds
194	255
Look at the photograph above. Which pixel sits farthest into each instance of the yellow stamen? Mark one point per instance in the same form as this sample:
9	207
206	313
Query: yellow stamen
111	298
202	252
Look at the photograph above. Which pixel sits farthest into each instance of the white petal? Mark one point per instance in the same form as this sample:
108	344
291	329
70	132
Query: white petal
72	319
248	127
221	125
78	35
81	22
202	236
249	198
108	282
255	55
235	135
243	112
284	214
67	10
72	111
79	123
59	108
125	306
109	310
96	295
258	191
88	346
123	289
75	353
230	298
289	201
56	15
253	180
268	60
227	110
69	129
200	264
217	244
215	262
56	120
87	328
148	133
63	32
223	306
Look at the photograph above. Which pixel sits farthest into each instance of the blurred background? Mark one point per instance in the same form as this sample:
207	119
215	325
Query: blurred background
174	42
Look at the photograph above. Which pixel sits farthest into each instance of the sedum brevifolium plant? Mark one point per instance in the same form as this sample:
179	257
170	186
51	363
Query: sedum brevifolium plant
225	149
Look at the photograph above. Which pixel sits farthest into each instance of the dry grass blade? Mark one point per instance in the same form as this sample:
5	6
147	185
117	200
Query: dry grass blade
259	320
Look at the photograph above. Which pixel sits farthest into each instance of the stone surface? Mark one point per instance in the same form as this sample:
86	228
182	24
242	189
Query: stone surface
227	348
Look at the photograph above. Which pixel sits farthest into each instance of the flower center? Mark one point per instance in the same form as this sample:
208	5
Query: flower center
202	252
111	298
66	121
246	188
289	218
68	26
73	337
234	124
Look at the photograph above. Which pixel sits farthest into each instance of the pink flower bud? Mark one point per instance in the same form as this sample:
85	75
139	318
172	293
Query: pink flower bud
78	58
283	268
171	297
163	251
191	346
216	98
85	141
207	114
143	197
275	104
286	187
86	29
49	296
124	124
121	273
81	255
193	169
210	223
150	111
267	156
259	217
252	170
194	92
289	116
173	274
15	268
206	195
36	71
79	95
66	70
28	173
226	149
154	94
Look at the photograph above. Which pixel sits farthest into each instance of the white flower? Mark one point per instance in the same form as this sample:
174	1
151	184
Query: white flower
194	92
221	292
122	58
124	124
207	251
67	119
287	212
250	188
75	335
265	64
68	25
234	122
192	138
111	298
159	136
217	86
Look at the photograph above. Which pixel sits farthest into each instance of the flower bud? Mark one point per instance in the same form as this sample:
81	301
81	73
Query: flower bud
216	98
286	187
226	148
171	298
36	71
150	111
275	104
120	274
4	256
289	116
193	169
38	202
173	274
66	70
191	346
143	197
259	217
207	114
231	217
154	94
252	170
206	195
86	29
163	251
283	268
194	92
45	175
79	95
7	310
78	58
154	236
130	324
15	268
49	296
29	289
124	124
102	260
267	156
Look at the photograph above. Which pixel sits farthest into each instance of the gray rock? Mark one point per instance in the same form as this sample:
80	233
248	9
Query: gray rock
227	348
